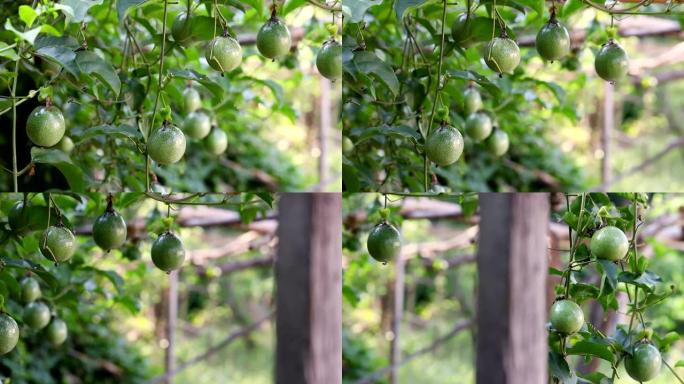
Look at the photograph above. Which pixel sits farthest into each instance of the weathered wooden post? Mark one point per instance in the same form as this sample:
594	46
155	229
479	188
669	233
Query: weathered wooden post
309	286
512	269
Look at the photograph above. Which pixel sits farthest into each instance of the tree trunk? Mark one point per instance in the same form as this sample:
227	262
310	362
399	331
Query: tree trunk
309	286
512	268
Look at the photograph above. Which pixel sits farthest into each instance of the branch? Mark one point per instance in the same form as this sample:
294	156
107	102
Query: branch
236	266
647	163
435	344
212	350
429	250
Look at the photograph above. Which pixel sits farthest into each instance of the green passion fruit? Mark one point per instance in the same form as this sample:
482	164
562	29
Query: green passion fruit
166	145
30	290
384	242
611	62
57	332
45	126
461	31
498	143
58	244
109	230
347	145
224	53
553	41
502	55
168	252
65	145
566	317
644	363
19	220
444	146
36	315
197	125
181	29
191	100
329	60
216	142
9	334
609	243
472	101
478	126
273	39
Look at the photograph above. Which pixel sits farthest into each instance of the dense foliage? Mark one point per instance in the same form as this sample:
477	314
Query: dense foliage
96	290
600	246
99	70
413	67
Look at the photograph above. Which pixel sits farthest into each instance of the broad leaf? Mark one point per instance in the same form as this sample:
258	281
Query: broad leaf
73	174
90	63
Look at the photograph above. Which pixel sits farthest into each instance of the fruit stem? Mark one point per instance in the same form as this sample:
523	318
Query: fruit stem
110	203
156	99
15	174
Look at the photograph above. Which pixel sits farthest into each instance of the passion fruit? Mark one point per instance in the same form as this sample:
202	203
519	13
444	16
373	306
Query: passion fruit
347	145
502	55
36	315
57	332
109	230
19	220
181	29
553	41
478	126
45	126
30	290
566	317
191	100
273	39
168	252
166	145
329	60
58	244
224	53
498	143
461	31
384	242
609	243
197	125
472	101
444	146
65	145
9	334
644	363
217	141
611	62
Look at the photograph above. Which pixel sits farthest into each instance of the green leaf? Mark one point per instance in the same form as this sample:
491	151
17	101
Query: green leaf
592	348
189	74
401	6
62	55
476	77
11	283
73	174
610	273
7	52
536	5
274	86
122	6
76	10
90	63
291	5
27	15
354	10
368	62
29	36
266	197
123	131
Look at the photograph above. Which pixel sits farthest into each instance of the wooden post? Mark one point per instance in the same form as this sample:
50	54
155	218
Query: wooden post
512	268
607	131
398	310
171	316
309	286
